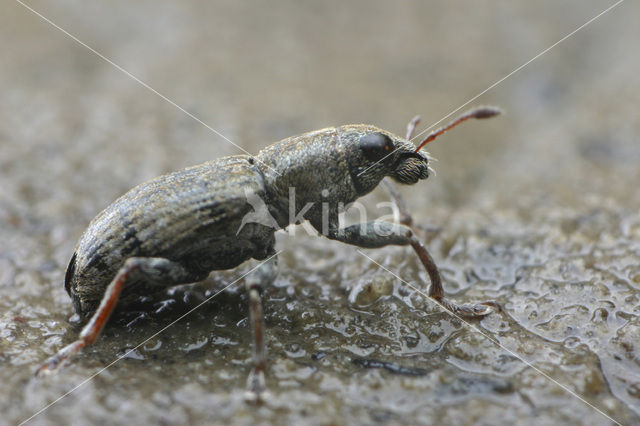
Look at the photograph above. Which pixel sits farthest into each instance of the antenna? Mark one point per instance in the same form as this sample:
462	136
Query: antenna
479	113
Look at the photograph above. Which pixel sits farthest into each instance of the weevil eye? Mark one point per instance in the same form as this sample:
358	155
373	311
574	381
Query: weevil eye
375	146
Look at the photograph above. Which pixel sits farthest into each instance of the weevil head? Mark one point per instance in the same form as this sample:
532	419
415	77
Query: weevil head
373	154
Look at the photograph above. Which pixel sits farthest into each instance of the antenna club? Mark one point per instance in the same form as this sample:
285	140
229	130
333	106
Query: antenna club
486	112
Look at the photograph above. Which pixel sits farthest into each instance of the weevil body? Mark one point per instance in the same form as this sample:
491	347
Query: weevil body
177	228
191	217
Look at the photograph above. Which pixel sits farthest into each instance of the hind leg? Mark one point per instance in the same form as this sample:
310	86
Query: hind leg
153	269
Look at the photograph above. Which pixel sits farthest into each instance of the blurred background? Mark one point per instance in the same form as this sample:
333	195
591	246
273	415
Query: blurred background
537	209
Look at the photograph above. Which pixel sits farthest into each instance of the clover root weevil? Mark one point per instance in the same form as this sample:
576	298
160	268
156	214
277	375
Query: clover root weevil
177	228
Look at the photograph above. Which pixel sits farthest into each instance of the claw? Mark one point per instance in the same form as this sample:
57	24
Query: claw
256	392
53	363
481	310
470	310
495	305
47	367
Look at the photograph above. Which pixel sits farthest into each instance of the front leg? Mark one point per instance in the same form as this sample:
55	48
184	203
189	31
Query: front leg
376	234
392	189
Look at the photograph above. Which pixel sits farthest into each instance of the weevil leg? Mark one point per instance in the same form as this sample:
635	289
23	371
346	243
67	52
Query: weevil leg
255	284
377	234
153	269
436	291
392	189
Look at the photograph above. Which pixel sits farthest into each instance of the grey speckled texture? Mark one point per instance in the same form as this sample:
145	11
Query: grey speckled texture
197	217
191	217
537	209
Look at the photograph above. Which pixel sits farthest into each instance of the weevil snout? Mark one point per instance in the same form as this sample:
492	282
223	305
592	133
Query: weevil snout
410	166
374	153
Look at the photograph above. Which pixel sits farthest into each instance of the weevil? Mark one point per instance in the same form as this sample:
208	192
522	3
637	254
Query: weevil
177	228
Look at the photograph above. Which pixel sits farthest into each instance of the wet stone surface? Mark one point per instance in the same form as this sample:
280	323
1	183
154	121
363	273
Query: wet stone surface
537	210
